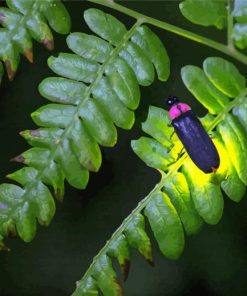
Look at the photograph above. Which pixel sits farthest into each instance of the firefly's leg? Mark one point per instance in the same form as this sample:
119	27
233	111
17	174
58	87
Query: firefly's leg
172	145
182	151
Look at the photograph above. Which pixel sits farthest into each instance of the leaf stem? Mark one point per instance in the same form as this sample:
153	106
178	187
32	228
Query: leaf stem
164	179
174	29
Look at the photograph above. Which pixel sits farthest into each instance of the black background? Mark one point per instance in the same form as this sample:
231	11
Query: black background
213	263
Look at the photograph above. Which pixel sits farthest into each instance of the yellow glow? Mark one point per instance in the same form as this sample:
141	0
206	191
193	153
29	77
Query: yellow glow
200	177
224	160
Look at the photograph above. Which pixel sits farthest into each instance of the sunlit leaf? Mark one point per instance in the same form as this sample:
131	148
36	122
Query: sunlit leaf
166	225
205	92
224	76
178	191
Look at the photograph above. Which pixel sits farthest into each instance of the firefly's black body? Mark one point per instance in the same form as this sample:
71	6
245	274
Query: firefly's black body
196	141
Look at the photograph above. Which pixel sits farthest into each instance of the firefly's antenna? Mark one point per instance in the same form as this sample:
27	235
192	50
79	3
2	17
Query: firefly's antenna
171	100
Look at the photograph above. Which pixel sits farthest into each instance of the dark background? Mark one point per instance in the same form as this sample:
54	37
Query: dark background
213	263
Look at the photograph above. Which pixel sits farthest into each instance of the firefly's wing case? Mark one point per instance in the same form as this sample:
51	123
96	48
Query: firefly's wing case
196	141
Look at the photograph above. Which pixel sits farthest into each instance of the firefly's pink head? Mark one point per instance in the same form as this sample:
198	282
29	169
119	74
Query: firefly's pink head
177	108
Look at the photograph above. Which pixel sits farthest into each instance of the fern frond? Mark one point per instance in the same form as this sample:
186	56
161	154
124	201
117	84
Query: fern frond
27	19
185	197
99	89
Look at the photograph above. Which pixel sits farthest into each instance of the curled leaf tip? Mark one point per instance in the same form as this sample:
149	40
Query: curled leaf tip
48	43
12	232
29	54
10	72
18	158
119	287
125	269
59	195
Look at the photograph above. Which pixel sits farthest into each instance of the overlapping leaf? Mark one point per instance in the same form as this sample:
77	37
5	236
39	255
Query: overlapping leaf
214	13
186	197
24	20
98	90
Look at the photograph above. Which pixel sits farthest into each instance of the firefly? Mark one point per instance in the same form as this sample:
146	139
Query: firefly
193	136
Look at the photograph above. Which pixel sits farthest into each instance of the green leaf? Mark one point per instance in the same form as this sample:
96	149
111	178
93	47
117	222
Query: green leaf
205	12
178	191
235	142
26	223
120	250
44	203
156	125
138	238
89	47
23	43
241	113
75	173
154	49
152	153
39	30
14	201
85	147
62	90
139	62
21	6
54	115
123	81
10	56
24	175
206	195
9	18
105	97
43	137
205	92
57	16
166	225
106	277
105	25
99	124
230	184
224	76
74	67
